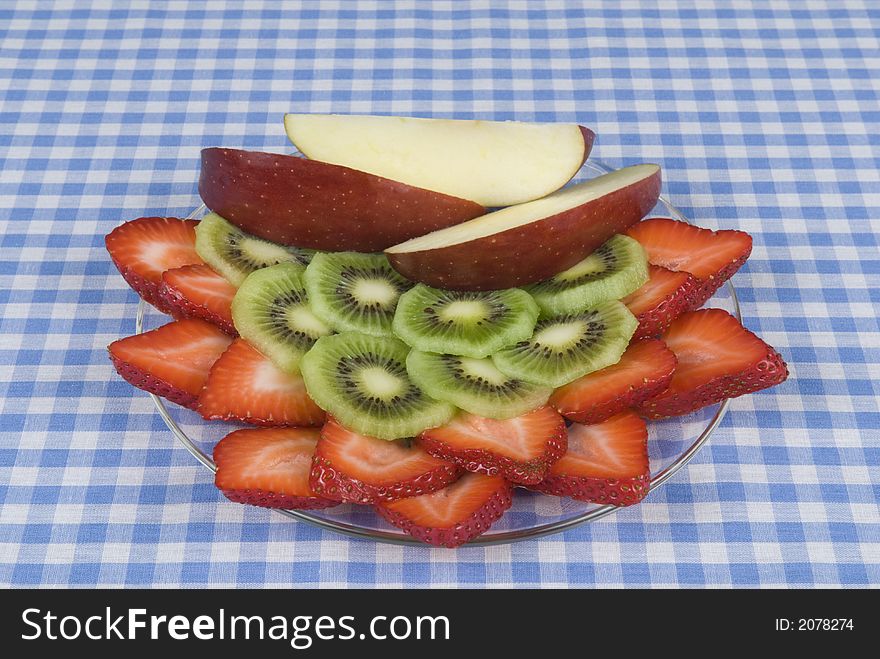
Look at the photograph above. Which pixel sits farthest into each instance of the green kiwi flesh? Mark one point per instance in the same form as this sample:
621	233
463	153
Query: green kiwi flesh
271	311
351	291
235	254
564	348
469	323
611	272
363	382
474	385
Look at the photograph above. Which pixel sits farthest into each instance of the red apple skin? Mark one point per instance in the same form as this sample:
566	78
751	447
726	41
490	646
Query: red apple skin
534	251
589	138
307	203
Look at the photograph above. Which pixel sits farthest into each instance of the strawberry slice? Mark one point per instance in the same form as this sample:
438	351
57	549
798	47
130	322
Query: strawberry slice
268	467
454	515
362	469
521	449
605	463
246	386
717	358
143	249
664	297
196	291
712	257
644	371
171	361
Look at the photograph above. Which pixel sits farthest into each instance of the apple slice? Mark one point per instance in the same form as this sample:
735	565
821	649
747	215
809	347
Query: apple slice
494	163
306	203
527	243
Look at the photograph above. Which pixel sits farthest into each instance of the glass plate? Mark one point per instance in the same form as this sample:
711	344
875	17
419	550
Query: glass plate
672	443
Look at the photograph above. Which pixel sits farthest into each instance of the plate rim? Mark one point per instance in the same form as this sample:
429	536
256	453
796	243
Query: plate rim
486	540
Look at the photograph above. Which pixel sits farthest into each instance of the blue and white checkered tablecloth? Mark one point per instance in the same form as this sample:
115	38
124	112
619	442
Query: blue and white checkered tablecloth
764	116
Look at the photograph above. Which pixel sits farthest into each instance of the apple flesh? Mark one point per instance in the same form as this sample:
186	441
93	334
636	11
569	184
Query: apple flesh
306	203
523	244
494	163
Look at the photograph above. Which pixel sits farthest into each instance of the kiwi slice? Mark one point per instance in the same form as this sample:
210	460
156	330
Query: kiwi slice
235	254
613	271
470	323
474	385
362	381
270	310
564	348
354	291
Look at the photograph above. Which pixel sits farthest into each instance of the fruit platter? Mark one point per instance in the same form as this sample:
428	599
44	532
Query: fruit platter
436	331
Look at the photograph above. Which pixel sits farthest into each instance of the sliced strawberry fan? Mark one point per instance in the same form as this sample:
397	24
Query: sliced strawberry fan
718	358
644	370
143	249
246	386
520	449
268	467
454	515
352	467
196	291
452	483
606	463
172	361
712	257
664	297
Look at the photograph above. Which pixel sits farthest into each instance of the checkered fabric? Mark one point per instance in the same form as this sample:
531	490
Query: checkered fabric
763	115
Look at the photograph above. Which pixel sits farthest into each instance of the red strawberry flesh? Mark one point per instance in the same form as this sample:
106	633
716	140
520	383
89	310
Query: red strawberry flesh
171	361
246	386
143	249
717	358
521	449
352	467
454	515
664	297
196	291
712	257
644	371
606	463
268	467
